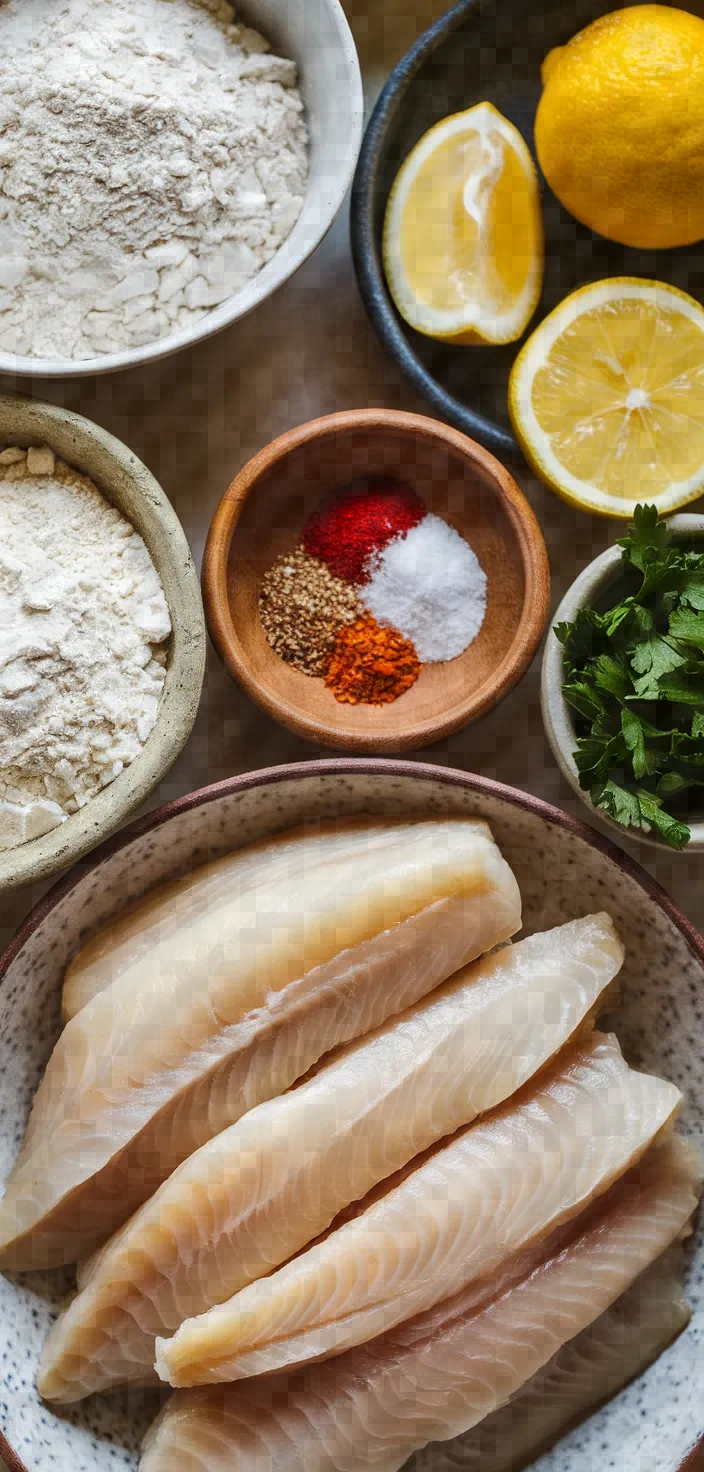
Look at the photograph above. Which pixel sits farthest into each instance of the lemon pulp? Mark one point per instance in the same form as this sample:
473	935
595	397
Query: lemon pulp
463	234
609	401
467	226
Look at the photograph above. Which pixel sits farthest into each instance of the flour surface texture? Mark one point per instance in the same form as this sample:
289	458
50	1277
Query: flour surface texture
153	157
83	620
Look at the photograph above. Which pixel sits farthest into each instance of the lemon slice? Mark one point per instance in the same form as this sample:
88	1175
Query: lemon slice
607	397
463	238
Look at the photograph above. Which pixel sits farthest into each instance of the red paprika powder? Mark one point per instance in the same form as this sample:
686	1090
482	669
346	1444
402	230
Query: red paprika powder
345	533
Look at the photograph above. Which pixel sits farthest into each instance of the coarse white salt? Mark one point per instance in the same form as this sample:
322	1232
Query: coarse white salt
429	585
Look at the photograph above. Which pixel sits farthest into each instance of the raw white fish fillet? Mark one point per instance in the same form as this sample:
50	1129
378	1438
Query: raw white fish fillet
441	1374
584	1373
260	1191
174	907
499	1185
359	922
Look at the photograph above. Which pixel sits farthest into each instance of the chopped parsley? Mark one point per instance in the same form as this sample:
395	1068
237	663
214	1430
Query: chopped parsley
634	675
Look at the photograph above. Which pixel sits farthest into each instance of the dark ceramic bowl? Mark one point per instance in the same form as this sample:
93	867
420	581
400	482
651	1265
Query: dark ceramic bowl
484	52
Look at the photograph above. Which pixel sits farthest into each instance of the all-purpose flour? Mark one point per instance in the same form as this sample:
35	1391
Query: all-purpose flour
83	620
153	157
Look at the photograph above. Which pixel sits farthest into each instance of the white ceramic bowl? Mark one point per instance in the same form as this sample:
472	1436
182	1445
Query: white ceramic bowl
563	868
314	34
558	716
129	486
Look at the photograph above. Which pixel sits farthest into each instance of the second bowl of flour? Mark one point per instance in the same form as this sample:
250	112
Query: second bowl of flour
164	166
101	637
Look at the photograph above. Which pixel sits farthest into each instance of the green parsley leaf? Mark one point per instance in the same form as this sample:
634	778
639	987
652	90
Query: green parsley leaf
642	620
648	548
686	749
647	539
618	802
581	638
687	626
596	755
634	676
611	675
655	657
675	833
691	590
584	699
683	689
618	616
652	659
671	783
644	762
640	810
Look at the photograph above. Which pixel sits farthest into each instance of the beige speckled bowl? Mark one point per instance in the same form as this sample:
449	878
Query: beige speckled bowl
129	486
558	716
563	869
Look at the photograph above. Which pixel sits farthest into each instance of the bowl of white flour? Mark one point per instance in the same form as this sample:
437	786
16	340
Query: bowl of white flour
165	165
102	637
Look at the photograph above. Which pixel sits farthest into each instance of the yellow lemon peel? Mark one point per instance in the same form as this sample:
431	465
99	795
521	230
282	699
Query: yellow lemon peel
607	397
619	130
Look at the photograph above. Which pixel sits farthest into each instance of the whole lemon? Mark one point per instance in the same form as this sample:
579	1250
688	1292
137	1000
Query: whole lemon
619	130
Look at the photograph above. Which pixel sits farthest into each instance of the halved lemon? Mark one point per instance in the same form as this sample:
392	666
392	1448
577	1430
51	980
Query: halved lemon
607	397
463	235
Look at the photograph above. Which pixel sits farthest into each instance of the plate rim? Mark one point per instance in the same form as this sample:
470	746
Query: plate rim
11	1459
361	766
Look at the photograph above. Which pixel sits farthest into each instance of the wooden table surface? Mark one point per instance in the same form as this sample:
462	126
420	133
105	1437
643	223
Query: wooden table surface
197	417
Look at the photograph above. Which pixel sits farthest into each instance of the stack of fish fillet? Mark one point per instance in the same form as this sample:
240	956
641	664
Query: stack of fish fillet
296	1134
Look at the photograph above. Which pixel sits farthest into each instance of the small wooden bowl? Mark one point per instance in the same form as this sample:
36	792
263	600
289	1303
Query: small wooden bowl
262	514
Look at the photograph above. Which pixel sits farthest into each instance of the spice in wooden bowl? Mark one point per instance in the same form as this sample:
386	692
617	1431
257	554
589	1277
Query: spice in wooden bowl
263	515
370	665
302	605
345	534
421	599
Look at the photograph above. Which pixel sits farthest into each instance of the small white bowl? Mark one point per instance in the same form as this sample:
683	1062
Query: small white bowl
558	717
127	484
314	34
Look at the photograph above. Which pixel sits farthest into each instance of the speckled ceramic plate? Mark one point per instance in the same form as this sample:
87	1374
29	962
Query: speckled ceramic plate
564	869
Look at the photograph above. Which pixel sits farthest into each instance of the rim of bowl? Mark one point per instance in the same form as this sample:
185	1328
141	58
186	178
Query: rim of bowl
10	1457
366	252
536	567
283	265
267	776
556	713
361	766
178	706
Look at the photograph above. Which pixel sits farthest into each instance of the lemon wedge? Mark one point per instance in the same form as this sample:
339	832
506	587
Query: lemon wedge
463	238
607	397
